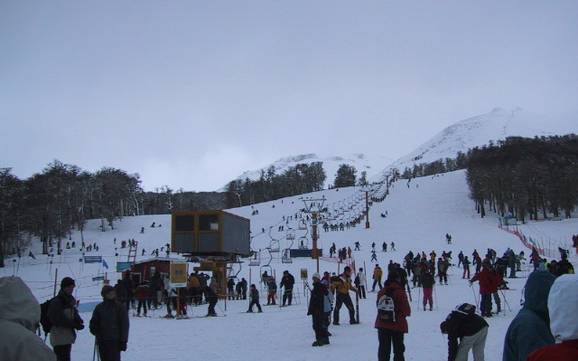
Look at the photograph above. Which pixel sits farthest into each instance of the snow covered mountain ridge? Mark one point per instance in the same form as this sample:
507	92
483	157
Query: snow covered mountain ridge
362	162
480	130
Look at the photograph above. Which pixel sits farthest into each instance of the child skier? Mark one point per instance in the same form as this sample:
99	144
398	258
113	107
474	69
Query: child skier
254	297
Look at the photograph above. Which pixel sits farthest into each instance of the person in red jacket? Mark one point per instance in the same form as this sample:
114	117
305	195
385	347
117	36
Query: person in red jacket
562	308
392	327
488	285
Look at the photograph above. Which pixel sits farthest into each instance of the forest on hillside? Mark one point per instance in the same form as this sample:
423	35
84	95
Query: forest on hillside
527	178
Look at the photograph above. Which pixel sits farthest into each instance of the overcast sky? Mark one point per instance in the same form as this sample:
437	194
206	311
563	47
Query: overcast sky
192	93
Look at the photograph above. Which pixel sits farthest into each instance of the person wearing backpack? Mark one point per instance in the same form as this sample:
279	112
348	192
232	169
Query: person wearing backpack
110	324
391	323
65	320
470	329
19	316
317	311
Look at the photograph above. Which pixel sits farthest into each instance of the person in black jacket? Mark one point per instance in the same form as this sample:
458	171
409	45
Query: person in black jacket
471	329
109	324
317	311
287	281
65	320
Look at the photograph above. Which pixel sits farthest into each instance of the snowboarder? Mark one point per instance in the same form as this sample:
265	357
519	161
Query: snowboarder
110	324
254	298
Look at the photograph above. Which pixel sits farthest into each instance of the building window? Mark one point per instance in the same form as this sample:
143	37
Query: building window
209	223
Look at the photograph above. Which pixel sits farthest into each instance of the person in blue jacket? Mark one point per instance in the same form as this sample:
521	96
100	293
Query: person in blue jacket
530	329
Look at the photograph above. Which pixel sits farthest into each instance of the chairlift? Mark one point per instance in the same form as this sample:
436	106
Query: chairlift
286	256
302	226
290	235
255	261
274	246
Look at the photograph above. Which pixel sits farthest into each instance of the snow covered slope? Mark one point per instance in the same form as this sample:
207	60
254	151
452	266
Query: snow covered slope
480	130
419	214
362	162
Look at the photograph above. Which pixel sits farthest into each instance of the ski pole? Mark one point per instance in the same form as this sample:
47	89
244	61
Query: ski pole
436	301
506	301
475	297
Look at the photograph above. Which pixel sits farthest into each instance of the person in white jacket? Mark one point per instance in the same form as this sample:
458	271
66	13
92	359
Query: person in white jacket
360	282
19	318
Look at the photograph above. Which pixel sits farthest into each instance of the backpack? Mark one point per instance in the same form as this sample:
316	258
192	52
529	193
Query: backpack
386	309
44	320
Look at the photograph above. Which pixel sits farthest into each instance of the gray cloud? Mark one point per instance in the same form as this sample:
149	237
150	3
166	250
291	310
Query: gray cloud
190	94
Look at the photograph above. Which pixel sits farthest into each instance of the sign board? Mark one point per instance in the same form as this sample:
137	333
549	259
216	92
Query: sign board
304	274
179	274
92	259
98	278
123	266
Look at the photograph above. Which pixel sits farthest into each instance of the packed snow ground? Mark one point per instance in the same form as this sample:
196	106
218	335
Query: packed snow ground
418	217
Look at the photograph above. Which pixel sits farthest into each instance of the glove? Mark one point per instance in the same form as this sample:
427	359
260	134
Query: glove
79	326
123	346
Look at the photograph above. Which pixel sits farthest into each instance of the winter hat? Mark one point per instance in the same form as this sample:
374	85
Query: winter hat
316	275
562	307
106	289
67	281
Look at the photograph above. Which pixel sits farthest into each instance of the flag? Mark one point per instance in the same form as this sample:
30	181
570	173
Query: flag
104	264
31	255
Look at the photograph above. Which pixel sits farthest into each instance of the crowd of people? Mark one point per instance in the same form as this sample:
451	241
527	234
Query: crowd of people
550	296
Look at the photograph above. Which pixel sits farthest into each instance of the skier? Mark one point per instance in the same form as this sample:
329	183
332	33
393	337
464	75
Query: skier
530	329
392	329
211	297
19	316
254	298
287	281
469	328
562	309
342	286
384	247
231	288
373	246
373	256
427	283
317	307
271	291
460	258
357	246
109	324
360	283
488	281
377	275
65	320
141	294
443	266
466	264
392	246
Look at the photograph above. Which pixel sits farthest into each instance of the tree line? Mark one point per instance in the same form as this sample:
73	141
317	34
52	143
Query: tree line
50	204
525	177
299	179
